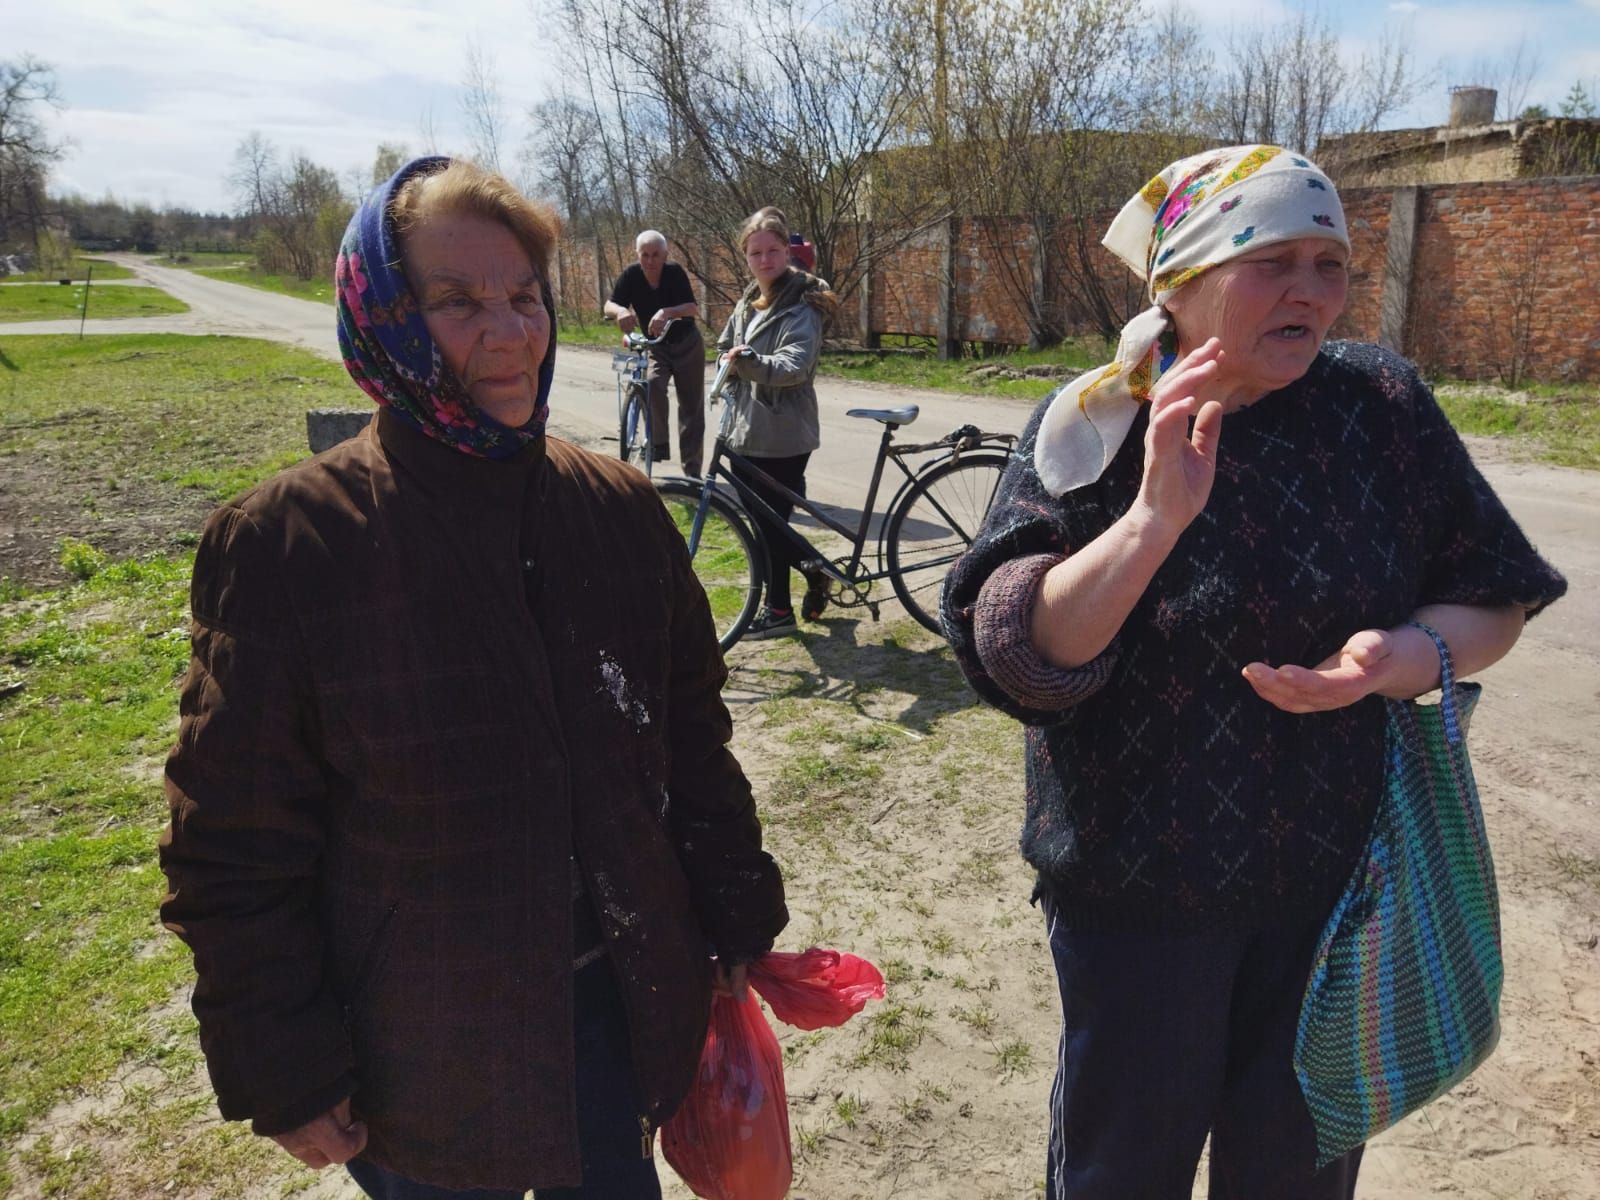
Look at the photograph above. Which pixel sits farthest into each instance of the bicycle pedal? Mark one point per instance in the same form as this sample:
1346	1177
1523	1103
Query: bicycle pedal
872	607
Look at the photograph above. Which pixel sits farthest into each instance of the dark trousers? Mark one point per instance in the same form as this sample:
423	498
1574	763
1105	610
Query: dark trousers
684	364
781	554
1166	1038
615	1165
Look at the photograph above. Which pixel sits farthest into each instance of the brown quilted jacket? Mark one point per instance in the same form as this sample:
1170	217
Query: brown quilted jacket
421	684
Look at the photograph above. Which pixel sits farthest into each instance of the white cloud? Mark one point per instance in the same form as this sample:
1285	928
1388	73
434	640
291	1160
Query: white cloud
159	94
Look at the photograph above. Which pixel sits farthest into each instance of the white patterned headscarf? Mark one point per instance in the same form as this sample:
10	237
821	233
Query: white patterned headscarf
1197	213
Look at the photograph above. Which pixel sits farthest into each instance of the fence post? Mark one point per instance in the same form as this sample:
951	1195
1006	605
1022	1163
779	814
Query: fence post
84	315
949	318
864	248
1398	259
1038	246
602	288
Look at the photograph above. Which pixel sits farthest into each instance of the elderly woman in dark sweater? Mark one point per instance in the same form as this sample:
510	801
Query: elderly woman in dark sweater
1197	580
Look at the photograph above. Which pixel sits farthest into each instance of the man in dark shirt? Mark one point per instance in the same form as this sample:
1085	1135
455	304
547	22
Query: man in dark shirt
650	293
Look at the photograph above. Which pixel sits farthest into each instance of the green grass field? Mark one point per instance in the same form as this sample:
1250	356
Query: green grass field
87	976
320	290
52	302
78	269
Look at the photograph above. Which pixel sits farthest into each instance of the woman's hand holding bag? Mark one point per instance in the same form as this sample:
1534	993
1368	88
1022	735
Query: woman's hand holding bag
730	1138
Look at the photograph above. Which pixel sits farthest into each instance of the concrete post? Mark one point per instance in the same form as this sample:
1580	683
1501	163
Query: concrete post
1038	246
327	427
1398	259
869	337
949	315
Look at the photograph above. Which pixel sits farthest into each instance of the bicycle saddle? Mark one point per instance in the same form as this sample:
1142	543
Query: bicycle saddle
889	416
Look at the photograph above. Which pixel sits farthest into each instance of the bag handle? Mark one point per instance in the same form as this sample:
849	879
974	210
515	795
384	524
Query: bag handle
1447	683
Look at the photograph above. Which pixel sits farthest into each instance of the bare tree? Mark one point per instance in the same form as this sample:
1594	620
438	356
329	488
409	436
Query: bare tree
1292	84
27	86
297	208
1048	114
428	130
697	122
482	106
1510	74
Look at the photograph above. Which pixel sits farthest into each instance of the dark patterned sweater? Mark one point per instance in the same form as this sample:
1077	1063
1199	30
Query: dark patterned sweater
1162	793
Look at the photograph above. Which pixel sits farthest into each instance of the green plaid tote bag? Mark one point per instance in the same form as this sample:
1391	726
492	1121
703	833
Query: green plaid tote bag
1404	995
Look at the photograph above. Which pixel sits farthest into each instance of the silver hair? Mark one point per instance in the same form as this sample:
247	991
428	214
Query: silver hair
650	237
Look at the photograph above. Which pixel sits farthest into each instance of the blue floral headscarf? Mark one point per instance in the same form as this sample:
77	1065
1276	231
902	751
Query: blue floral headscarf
386	346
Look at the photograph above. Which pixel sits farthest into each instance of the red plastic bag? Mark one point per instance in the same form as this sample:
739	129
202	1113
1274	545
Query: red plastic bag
816	989
730	1139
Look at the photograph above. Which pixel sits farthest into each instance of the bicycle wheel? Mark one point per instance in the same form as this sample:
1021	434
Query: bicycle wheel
634	439
727	559
933	526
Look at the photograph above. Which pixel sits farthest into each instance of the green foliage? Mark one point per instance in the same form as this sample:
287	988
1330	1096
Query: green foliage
79	559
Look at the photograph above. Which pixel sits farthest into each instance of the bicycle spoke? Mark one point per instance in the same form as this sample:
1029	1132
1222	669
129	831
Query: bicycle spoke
934	526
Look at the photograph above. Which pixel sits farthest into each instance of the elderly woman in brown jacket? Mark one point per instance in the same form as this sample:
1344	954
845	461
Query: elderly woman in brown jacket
456	837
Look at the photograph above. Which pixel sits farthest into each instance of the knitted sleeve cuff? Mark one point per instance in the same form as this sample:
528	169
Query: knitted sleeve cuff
1002	630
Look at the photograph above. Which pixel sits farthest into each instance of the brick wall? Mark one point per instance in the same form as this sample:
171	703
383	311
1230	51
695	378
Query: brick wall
1499	270
1496	259
1366	213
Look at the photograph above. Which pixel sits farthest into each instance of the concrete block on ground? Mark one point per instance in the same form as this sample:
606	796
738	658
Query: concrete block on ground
327	427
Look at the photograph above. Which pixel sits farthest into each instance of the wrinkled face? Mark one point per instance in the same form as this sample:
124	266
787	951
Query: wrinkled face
1271	309
482	305
767	256
652	257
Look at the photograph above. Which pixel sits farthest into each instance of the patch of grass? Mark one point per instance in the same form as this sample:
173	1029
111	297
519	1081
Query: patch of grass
893	1031
586	329
219	483
319	288
1013	1058
83	960
1041	371
897	970
980	1018
1557	424
80	560
849	1109
75	270
52	302
1576	868
216	414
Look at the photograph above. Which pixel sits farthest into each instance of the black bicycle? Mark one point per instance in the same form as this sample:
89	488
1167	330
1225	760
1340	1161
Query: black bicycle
930	522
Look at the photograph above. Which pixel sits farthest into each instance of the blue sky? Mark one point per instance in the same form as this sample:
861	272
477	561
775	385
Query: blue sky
160	92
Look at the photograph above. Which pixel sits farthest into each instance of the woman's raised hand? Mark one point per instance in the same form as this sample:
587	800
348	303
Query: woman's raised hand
1179	465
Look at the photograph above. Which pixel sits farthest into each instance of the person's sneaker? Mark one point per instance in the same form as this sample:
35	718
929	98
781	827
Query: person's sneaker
769	624
816	597
692	471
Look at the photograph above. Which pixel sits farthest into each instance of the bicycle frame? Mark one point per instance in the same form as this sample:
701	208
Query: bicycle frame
852	574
